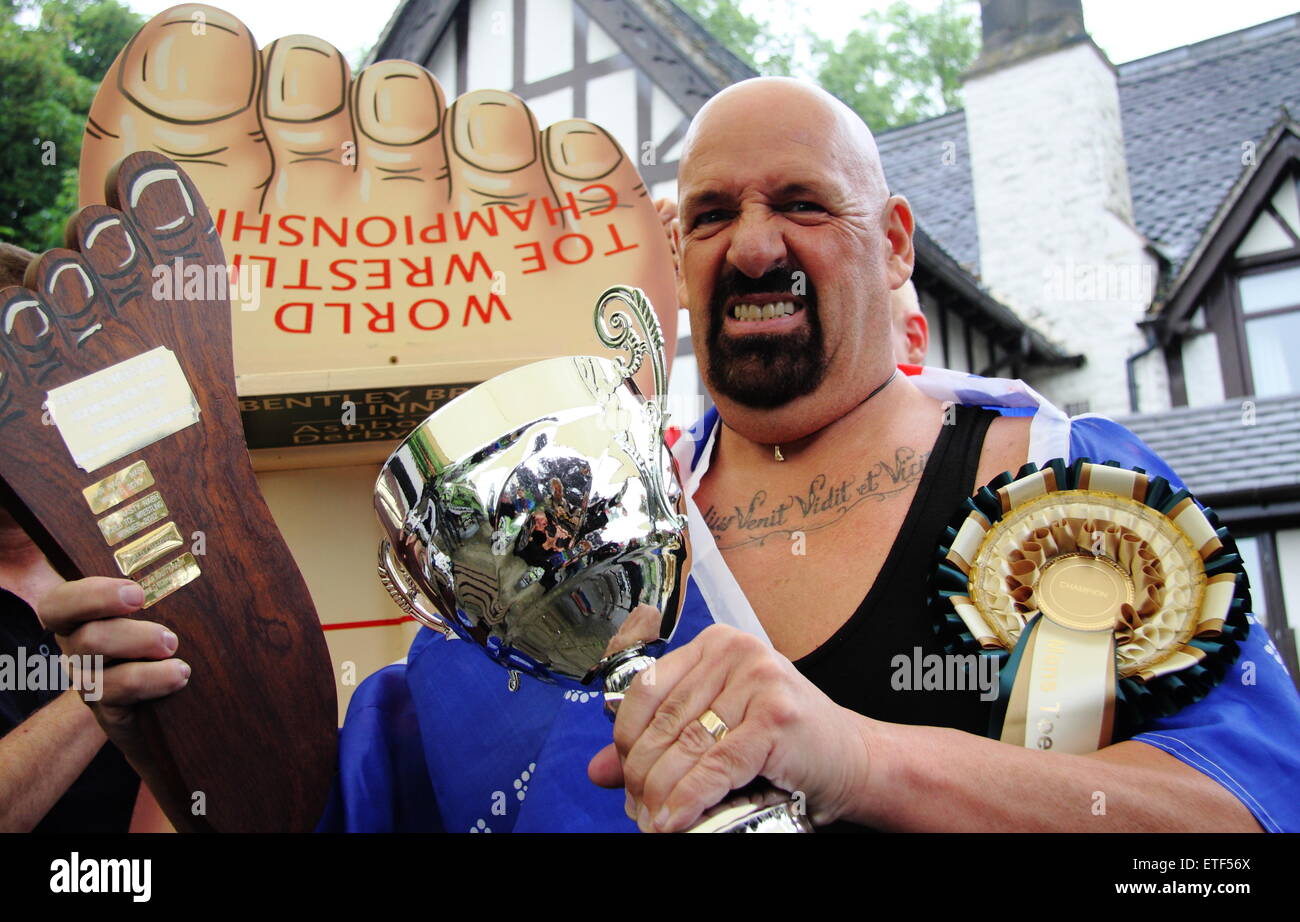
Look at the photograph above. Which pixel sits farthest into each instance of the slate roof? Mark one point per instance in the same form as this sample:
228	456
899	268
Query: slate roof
1220	458
1185	113
929	163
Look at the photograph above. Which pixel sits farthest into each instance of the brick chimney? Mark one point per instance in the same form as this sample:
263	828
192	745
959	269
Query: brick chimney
1057	238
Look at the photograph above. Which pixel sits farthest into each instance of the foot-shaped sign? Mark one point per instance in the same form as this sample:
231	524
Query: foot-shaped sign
382	238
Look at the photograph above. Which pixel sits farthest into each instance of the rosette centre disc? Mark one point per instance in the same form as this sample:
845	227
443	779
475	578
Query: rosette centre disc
1083	592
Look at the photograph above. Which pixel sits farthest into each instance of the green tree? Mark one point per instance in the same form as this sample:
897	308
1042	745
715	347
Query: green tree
901	66
904	65
755	41
49	71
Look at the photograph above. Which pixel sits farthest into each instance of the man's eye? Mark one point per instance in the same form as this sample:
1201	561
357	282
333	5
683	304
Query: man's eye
803	206
709	217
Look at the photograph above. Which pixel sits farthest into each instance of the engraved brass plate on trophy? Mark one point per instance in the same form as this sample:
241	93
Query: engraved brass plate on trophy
118	410
118	486
133	518
145	550
168	578
1083	592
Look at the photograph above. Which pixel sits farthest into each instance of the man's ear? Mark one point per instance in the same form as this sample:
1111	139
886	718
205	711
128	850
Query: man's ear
899	254
917	332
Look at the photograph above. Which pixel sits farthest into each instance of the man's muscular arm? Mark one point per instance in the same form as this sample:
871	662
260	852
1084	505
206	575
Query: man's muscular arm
940	780
882	775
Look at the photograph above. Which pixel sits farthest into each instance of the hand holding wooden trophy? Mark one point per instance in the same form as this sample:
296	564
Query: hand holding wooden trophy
124	455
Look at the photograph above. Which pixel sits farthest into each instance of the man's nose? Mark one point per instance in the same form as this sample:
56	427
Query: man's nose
757	246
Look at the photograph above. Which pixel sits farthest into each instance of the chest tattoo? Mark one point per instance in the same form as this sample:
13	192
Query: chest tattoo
823	503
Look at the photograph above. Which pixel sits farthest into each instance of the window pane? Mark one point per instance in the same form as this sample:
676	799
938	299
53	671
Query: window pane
1268	290
1249	550
1274	344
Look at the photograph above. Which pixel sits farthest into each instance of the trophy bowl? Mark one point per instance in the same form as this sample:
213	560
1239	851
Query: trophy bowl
533	513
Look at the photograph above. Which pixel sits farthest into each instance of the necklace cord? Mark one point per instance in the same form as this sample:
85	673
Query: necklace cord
776	448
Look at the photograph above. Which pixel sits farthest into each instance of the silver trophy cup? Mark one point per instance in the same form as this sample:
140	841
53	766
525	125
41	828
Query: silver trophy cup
532	514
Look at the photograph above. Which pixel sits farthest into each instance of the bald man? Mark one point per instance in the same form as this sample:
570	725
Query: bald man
796	212
818	490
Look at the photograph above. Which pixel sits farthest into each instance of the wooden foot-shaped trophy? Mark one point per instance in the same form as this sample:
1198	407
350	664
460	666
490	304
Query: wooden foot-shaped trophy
122	453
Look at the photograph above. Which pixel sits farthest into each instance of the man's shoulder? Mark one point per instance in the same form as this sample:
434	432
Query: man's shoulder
1099	438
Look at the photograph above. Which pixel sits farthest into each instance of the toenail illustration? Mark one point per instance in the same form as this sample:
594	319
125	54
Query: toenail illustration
160	192
28	337
493	131
113	253
71	295
580	150
397	103
306	80
166	63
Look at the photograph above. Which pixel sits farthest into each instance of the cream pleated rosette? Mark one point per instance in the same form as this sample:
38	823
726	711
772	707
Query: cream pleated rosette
1107	596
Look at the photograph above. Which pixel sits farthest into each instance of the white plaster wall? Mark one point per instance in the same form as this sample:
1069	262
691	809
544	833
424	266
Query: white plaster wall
1057	241
611	104
491	48
934	348
1152	377
957	357
549	39
552	107
980	351
1202	371
599	44
443	67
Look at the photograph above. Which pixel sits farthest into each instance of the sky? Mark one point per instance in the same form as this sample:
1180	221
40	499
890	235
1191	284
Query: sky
1125	29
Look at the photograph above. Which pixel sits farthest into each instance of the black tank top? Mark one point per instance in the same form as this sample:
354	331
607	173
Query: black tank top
856	667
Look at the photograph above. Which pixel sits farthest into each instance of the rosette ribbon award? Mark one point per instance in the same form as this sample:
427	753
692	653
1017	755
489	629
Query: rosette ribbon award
533	514
1108	597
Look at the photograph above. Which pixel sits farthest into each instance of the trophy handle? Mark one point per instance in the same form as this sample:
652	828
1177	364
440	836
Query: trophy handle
758	807
617	671
615	331
405	593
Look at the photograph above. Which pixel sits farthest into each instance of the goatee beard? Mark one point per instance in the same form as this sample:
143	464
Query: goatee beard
765	370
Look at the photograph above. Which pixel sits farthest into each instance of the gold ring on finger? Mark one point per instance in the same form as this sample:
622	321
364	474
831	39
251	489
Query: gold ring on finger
714	725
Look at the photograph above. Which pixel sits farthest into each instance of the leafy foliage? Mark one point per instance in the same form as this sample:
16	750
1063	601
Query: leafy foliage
49	69
901	66
905	65
756	42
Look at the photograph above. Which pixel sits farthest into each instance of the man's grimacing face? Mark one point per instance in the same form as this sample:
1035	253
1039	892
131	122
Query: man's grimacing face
780	216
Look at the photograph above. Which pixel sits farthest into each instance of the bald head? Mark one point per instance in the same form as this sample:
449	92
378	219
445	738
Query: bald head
790	245
800	111
911	330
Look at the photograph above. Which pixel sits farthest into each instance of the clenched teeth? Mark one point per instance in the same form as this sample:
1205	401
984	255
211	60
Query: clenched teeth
762	311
